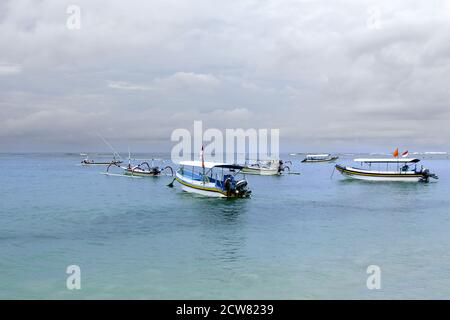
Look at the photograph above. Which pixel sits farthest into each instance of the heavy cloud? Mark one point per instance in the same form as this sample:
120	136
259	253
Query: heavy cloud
331	75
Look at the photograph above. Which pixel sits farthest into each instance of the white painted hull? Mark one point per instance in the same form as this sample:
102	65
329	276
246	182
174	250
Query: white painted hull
373	178
388	176
319	160
198	187
260	171
202	192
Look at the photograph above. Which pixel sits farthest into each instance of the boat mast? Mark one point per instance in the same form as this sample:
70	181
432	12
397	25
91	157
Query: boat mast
129	158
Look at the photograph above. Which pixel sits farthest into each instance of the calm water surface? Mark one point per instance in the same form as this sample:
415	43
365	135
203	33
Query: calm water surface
299	236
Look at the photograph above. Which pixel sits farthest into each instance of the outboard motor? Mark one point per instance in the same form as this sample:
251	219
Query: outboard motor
241	188
427	175
236	188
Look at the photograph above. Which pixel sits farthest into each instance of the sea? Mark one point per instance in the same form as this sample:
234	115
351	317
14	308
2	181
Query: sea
313	235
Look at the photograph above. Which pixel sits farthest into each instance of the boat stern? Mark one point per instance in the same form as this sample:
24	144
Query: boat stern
241	189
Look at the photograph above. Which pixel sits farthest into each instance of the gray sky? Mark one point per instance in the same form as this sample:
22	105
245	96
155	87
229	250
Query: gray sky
331	75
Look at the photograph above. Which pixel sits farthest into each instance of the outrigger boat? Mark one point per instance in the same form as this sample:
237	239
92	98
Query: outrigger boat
89	162
265	167
144	169
117	159
402	172
312	158
211	179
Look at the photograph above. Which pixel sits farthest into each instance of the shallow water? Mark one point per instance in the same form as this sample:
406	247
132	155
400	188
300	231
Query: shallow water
299	236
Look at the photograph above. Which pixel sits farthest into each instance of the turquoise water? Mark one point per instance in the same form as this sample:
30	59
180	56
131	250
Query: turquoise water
299	236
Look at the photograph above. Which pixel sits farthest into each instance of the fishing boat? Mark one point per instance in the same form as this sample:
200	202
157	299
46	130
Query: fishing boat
143	169
211	179
313	158
89	162
265	167
405	170
146	170
117	159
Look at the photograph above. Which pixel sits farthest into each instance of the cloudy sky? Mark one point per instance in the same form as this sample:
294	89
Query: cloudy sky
331	75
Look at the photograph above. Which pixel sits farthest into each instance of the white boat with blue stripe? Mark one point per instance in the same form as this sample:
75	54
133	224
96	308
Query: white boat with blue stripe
212	179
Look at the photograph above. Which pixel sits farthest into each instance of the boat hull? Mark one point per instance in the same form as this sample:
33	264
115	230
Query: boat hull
141	174
98	163
202	192
206	189
198	187
260	171
368	175
320	160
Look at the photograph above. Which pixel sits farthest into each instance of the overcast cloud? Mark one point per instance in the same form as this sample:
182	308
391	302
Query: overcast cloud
331	75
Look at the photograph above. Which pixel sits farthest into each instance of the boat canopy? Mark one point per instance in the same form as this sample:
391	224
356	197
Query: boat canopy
210	165
390	160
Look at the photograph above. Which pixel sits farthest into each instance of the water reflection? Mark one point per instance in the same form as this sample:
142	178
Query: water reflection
395	187
223	229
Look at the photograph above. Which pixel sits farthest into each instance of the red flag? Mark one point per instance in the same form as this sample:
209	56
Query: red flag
395	154
202	157
405	154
